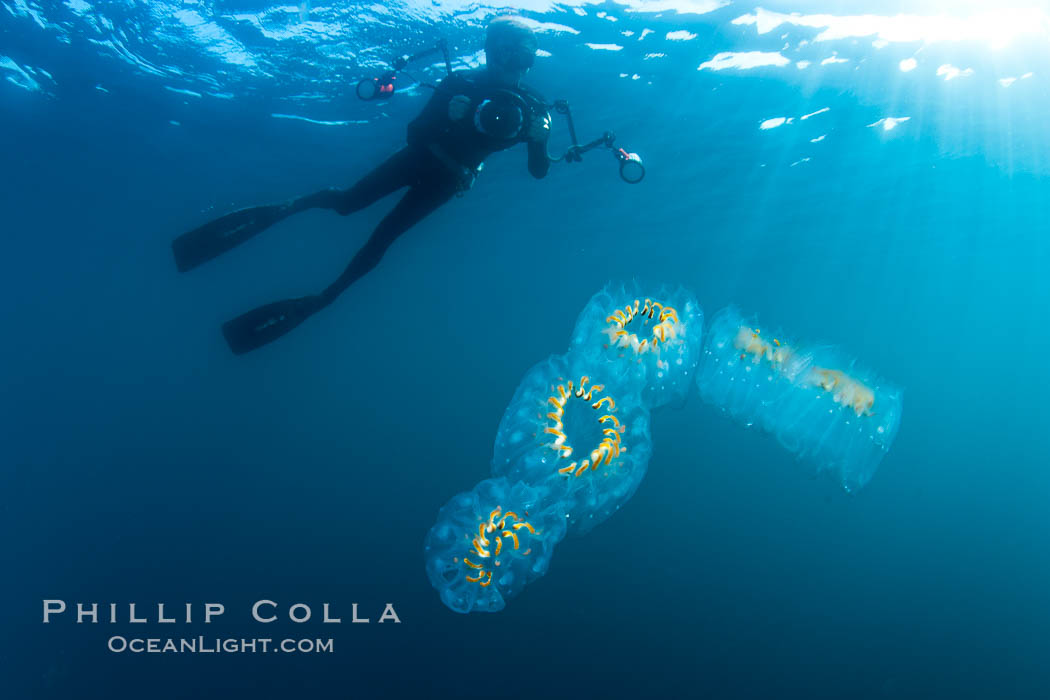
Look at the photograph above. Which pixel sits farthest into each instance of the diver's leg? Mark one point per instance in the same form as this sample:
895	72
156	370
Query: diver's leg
227	232
397	171
417	203
268	323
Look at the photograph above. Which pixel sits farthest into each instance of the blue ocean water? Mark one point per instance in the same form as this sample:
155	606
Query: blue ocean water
873	178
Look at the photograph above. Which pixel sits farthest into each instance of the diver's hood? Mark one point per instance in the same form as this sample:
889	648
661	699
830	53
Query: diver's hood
510	39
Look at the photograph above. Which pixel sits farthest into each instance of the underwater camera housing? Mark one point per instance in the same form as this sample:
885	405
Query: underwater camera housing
503	115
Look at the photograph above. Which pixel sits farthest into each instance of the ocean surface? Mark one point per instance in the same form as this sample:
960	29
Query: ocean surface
872	175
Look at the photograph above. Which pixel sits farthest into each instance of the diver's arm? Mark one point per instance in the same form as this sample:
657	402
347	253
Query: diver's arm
539	132
539	163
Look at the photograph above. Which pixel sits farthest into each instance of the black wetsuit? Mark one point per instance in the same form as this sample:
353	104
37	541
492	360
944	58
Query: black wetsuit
441	159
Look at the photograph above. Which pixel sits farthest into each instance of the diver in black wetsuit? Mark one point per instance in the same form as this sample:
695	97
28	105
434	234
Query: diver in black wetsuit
471	115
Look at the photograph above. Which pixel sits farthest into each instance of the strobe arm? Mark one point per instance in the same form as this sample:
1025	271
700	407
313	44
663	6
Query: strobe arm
631	168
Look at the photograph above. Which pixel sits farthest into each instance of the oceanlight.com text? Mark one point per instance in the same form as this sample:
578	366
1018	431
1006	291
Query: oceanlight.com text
218	645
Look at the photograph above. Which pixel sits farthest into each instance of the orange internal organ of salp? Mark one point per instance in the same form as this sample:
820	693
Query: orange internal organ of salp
844	389
622	333
488	544
608	448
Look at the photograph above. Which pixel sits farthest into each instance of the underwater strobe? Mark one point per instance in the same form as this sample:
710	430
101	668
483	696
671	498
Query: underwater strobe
632	170
382	87
375	88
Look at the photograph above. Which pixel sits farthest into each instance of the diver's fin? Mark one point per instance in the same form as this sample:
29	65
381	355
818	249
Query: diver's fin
267	323
216	237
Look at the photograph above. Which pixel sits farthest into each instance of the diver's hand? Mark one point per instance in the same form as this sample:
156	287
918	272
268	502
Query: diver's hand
458	107
540	128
